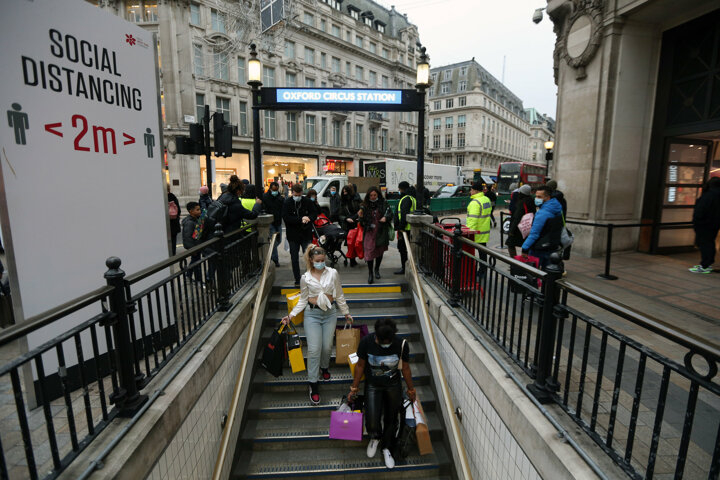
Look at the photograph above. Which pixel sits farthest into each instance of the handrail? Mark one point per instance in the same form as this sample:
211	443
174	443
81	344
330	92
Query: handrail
455	437
245	365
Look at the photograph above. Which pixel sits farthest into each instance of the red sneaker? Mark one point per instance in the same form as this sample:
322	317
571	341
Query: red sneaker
314	394
325	374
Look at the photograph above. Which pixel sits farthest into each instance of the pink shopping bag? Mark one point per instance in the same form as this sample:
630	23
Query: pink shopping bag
346	426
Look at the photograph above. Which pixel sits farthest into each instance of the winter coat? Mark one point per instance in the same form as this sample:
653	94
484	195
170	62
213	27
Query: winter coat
292	214
174	222
706	216
205	200
334	206
273	205
188	227
561	198
349	209
546	228
523	204
381	238
236	212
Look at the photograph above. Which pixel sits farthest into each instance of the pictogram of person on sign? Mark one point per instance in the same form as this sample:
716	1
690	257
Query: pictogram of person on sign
149	141
19	121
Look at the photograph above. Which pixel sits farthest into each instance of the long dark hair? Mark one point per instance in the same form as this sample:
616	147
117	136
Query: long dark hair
235	186
367	203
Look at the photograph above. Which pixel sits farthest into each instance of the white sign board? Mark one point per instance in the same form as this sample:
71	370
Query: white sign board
81	159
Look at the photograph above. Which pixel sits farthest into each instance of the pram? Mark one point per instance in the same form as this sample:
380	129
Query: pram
329	236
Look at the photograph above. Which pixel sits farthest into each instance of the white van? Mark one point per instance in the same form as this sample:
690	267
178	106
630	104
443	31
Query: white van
322	186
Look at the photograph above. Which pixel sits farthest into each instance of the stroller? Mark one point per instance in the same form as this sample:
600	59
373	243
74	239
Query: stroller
329	236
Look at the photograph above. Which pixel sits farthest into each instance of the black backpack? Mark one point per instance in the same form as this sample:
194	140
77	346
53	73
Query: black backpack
217	212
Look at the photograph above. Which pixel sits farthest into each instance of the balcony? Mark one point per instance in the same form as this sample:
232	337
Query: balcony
377	117
409	151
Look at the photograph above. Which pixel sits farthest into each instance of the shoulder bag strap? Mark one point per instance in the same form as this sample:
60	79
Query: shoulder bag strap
402	348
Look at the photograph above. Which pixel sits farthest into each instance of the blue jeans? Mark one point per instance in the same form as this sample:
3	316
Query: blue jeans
320	332
274	229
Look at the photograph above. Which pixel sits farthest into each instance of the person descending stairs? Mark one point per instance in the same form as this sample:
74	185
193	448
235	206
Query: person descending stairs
284	435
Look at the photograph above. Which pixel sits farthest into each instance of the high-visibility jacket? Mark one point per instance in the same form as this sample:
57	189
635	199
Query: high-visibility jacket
412	209
478	216
249	204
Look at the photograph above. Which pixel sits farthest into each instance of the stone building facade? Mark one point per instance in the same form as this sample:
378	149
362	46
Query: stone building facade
475	121
204	49
542	129
638	116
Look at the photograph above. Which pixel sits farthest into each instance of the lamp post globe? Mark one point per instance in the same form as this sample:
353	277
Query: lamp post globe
254	80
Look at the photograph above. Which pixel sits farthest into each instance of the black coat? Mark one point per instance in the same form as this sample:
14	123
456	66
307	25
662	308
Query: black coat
349	209
706	216
381	229
561	198
273	205
188	227
174	222
236	212
205	201
292	214
523	204
334	207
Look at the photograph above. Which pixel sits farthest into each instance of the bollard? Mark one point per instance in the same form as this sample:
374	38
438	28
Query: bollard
545	385
127	398
223	273
608	253
456	277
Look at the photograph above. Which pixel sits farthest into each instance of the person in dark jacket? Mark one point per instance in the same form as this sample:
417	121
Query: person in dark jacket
312	196
236	212
559	195
375	216
406	206
273	205
205	199
490	193
334	204
298	213
513	197
524	204
174	222
544	237
425	196
192	226
349	206
706	222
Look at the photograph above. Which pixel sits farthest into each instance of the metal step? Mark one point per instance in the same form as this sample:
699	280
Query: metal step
417	355
381	286
359	312
331	463
366	300
409	331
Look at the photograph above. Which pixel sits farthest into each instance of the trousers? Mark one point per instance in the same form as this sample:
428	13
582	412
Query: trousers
402	248
273	229
294	259
320	332
705	240
386	402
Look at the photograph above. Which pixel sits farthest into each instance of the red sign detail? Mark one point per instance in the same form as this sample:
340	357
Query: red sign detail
130	139
50	127
130	39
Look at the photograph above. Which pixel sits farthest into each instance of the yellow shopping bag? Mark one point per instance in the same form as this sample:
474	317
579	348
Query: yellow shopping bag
294	348
292	299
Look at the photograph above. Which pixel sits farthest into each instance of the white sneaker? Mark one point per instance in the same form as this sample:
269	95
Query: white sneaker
389	460
372	448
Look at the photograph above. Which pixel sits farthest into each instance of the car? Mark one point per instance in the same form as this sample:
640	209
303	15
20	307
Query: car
453	191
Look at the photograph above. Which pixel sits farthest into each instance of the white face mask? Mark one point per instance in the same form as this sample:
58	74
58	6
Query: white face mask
297	198
319	265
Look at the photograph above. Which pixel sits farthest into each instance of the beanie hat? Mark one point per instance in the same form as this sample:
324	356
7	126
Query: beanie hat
525	190
203	190
478	186
552	184
403	185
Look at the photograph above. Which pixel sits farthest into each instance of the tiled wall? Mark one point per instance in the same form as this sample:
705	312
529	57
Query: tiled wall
193	451
492	451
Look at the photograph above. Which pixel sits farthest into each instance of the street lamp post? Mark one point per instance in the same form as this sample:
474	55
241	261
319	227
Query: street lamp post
549	145
254	80
423	80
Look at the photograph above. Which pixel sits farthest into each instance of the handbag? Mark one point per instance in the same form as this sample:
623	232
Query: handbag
346	342
359	252
566	238
274	352
525	224
522	276
346	426
292	299
294	349
405	438
351	236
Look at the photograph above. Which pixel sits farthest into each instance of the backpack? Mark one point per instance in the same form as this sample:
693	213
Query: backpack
173	210
217	212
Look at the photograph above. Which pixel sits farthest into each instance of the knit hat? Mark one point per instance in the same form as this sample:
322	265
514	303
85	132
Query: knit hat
525	190
552	184
203	190
478	186
513	186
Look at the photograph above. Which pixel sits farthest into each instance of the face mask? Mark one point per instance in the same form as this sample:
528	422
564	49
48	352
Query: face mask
313	199
538	201
297	198
373	201
319	265
274	193
385	345
332	193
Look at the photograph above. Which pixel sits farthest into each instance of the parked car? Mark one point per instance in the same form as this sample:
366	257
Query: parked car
452	191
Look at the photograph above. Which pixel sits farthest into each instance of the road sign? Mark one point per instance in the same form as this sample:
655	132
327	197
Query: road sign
81	158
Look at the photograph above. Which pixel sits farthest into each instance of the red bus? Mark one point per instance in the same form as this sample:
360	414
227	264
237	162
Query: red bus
520	173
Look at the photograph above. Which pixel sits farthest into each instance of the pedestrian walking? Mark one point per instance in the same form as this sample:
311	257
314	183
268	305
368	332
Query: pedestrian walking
320	292
478	219
298	213
406	206
490	193
192	229
248	196
348	217
544	237
205	199
312	196
174	214
513	194
237	213
382	358
273	204
334	204
552	184
706	222
524	204
374	215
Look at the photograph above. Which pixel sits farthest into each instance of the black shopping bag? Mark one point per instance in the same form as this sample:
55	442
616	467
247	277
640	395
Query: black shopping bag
405	438
274	352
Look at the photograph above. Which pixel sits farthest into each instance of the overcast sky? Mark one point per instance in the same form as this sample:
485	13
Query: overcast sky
457	30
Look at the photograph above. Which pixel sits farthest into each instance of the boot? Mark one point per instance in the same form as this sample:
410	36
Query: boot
353	262
370	271
377	274
400	272
370	278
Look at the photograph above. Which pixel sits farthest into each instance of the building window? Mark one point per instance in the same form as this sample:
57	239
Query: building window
436	141
195	14
309	82
437	105
460	160
373	139
380	28
221	65
373	48
323	130
198	60
461	140
243	118
309	128
142	11
199	106
222	105
385	82
462	101
463	71
323	25
444	88
241	70
449	103
290	80
410	144
347	68
447	74
309	56
269	124
448	122
385	53
292	126
355	14
336	31
309	19
448	140
218	21
372	79
336	133
289	49
359	41
436	124
323	60
358	136
384	140
268	76
359	73
348	36
461	121
462	85
335	64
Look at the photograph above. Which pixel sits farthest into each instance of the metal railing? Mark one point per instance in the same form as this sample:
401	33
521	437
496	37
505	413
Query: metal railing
125	333
654	409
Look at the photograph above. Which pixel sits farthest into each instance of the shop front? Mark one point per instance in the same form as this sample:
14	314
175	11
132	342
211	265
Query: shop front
338	166
288	168
224	167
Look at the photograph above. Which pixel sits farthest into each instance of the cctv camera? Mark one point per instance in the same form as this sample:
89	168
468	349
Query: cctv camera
538	15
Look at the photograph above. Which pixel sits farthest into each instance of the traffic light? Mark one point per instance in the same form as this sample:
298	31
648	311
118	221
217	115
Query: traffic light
223	136
194	144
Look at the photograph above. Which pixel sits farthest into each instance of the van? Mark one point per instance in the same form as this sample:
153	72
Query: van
322	184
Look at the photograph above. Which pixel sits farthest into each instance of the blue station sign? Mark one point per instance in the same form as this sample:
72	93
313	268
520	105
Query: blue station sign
346	99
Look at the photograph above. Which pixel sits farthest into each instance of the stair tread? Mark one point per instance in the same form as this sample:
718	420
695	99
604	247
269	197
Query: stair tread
338	377
279	311
416	348
404	329
383	282
355	297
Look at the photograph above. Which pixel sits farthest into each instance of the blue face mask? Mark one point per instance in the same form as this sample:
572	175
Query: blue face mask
274	193
332	192
319	265
385	345
297	198
313	199
538	201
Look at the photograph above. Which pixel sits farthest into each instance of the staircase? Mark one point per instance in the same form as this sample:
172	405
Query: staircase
283	435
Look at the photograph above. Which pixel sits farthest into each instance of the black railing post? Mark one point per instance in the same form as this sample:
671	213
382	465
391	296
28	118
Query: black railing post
544	385
223	273
127	397
608	253
456	277
502	230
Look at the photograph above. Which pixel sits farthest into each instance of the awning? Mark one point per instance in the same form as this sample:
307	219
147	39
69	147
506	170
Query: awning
488	179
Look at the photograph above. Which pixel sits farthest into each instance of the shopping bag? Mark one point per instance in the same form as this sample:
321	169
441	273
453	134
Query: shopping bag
352	361
351	236
346	342
294	349
525	224
346	426
522	275
422	433
359	252
274	352
292	299
406	433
